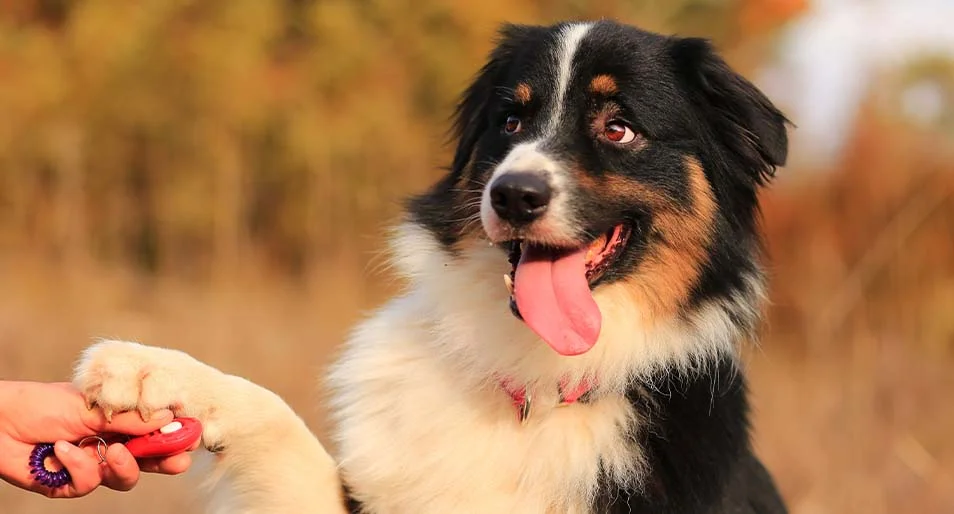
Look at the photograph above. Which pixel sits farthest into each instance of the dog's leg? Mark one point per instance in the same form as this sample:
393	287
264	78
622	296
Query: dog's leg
265	458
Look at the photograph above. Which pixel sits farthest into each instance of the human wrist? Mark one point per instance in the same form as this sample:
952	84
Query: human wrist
12	393
7	393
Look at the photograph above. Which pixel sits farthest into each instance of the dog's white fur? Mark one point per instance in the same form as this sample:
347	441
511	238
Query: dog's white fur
570	38
421	424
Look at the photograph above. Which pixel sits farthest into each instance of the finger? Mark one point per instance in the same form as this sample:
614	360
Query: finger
127	422
175	465
121	470
84	469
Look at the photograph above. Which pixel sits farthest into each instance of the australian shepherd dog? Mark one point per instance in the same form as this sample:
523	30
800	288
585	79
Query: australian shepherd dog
579	284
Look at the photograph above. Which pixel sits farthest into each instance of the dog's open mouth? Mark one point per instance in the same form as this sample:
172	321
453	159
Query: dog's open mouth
550	288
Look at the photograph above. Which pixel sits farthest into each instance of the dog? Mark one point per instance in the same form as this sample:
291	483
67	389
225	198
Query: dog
579	284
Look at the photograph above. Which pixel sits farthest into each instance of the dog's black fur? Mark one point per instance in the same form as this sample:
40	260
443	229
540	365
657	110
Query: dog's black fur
697	441
684	102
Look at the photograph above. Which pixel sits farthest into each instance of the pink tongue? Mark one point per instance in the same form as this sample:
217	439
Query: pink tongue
554	299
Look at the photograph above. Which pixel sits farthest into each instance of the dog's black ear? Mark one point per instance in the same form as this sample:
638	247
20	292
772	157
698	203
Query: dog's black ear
471	118
746	122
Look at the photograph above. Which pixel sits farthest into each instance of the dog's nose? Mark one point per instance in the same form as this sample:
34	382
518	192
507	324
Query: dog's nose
520	198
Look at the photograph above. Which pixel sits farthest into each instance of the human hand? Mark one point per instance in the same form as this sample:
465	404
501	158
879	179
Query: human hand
35	412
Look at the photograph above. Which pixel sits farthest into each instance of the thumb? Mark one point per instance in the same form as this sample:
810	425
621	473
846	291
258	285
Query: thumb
84	470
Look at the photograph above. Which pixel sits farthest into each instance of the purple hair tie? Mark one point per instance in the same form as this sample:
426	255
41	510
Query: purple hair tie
61	477
41	474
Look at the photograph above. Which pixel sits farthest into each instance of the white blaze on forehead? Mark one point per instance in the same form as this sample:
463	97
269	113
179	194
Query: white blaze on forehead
532	157
567	44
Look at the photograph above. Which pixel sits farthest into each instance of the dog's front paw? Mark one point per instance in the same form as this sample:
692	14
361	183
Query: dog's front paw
119	376
274	462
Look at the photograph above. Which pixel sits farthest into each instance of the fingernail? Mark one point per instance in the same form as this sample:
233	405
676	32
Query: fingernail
62	447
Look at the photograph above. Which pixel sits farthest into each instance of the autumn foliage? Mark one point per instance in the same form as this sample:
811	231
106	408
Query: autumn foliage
186	137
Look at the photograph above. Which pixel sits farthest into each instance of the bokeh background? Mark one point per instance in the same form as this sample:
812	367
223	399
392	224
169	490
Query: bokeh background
216	175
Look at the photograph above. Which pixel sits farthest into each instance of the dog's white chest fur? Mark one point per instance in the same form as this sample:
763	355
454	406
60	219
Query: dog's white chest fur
421	437
422	426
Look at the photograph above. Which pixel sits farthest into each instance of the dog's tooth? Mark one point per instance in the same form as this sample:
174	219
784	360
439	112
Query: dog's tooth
509	283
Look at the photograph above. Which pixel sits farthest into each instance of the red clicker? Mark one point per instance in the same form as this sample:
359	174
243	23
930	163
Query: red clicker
176	437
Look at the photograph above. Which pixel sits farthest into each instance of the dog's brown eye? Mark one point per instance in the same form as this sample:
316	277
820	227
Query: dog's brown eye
512	125
618	132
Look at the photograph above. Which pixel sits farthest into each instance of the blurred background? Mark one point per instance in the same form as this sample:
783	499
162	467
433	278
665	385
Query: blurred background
215	176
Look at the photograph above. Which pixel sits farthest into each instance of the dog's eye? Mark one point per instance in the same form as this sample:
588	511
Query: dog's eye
618	132
512	125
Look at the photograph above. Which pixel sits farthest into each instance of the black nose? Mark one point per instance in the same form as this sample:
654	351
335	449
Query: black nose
520	198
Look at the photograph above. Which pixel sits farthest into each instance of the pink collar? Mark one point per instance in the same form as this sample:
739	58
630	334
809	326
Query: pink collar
521	397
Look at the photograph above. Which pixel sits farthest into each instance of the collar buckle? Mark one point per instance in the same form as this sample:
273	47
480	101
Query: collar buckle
524	408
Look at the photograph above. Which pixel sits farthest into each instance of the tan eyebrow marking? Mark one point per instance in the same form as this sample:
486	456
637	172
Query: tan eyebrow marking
522	93
603	85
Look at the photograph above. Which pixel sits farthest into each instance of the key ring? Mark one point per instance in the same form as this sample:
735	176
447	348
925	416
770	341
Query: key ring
101	446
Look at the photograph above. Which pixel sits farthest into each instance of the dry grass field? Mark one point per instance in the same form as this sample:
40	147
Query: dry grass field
852	383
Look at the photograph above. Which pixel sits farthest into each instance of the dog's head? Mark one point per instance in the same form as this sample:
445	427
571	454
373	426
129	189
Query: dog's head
598	153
